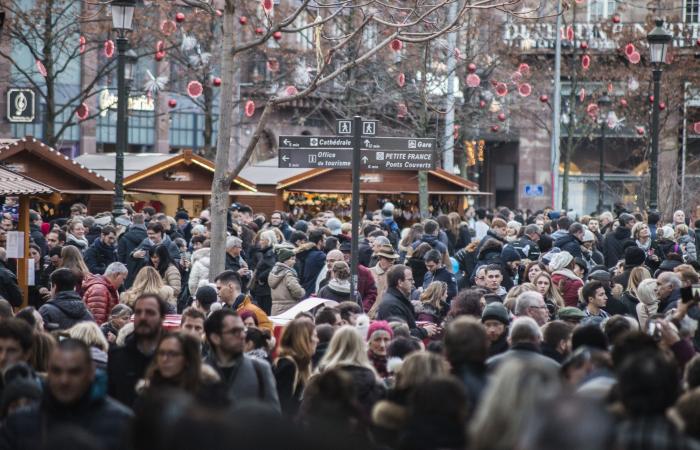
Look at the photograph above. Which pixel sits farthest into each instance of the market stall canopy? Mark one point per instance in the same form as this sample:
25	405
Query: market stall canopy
12	183
399	182
266	173
32	158
184	173
104	163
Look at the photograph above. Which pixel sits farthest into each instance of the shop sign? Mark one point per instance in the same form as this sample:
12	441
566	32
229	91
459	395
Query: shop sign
21	105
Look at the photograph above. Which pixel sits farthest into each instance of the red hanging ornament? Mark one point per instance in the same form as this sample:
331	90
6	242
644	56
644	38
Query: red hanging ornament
109	48
267	5
259	30
216	81
524	90
524	69
160	46
396	45
570	33
194	89
640	131
168	27
582	95
662	106
623	102
544	98
482	104
277	35
82	111
592	109
616	18
584	45
495	128
651	99
502	117
473	80
634	58
160	56
401	79
180	17
471	67
243	20
401	110
290	90
172	103
250	108
629	49
696	127
82	43
585	62
501	89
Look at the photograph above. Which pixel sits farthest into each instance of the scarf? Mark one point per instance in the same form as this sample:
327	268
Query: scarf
644	247
80	241
379	362
339	286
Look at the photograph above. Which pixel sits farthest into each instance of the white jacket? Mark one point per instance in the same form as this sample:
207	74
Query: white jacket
199	270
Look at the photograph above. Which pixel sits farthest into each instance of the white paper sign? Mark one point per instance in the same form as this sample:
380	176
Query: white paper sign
30	272
15	244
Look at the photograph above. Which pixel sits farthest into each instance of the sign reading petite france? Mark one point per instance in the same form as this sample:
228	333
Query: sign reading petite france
21	105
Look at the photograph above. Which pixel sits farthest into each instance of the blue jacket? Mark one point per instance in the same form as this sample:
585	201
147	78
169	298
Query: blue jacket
314	262
444	275
98	256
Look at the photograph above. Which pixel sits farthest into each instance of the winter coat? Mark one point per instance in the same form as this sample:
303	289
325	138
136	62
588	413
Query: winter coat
630	301
9	287
613	245
103	418
418	269
379	275
365	252
125	367
569	243
366	287
236	264
442	274
568	285
38	238
667	246
285	288
687	245
129	241
98	256
267	260
173	279
289	385
200	268
428	313
244	303
368	390
100	296
336	291
395	304
645	311
252	381
434	243
525	352
314	262
64	311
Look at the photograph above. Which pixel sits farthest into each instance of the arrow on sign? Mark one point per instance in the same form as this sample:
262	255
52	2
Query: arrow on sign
287	142
365	159
285	158
367	142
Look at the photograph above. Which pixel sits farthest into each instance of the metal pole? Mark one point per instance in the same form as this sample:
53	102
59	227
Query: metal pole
556	113
653	172
601	181
684	145
448	149
122	127
354	256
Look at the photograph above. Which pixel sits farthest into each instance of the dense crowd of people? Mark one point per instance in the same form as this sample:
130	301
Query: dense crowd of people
486	329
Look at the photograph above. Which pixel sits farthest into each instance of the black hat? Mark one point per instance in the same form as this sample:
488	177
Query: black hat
600	275
345	247
509	253
496	311
301	225
182	215
634	256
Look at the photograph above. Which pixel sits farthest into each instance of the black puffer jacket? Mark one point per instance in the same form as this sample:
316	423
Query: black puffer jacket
125	367
395	304
98	256
105	419
569	243
9	288
64	311
613	245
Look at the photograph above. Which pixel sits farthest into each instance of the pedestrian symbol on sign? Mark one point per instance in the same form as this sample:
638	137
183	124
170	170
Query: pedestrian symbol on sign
344	127
368	128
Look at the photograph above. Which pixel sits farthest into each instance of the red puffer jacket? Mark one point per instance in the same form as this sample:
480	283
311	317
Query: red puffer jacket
568	285
100	296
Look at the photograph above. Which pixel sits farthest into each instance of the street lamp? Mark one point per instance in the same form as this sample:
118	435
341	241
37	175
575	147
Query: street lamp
659	41
122	18
603	106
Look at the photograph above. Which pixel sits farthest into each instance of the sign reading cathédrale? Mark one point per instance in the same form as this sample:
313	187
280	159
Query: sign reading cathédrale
21	105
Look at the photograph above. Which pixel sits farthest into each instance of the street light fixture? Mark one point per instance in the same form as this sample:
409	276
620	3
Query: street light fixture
122	23
604	103
659	41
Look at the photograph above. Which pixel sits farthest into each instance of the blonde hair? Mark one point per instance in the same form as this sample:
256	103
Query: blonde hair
638	226
90	333
552	292
637	275
433	294
681	229
147	281
347	348
513	294
420	367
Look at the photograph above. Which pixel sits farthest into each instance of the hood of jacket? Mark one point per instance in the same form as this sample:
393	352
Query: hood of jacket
70	303
278	273
135	235
567	238
98	280
567	273
102	247
199	255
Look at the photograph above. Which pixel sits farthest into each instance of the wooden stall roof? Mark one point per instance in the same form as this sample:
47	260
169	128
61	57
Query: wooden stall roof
104	163
12	183
67	174
446	177
186	158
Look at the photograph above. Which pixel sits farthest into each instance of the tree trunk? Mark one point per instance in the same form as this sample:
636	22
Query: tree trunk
220	185
423	193
50	111
208	130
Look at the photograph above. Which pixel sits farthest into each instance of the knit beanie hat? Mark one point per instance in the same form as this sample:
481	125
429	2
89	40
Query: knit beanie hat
509	253
334	225
634	256
379	325
496	311
560	261
284	253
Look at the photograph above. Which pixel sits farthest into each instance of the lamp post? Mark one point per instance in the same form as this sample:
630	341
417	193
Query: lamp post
603	106
122	18
659	40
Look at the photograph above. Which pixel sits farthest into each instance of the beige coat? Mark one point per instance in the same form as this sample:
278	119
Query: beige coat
173	279
285	288
379	275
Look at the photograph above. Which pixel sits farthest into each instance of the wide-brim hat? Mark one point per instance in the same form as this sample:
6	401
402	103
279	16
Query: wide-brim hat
387	251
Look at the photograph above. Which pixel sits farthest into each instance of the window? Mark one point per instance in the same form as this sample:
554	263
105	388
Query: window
692	11
600	9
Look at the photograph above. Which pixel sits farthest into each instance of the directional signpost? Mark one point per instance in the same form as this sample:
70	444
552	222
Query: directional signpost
356	147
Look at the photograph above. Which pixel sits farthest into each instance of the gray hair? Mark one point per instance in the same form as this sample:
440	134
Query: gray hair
233	241
670	277
526	300
524	329
121	310
270	236
382	240
115	269
199	229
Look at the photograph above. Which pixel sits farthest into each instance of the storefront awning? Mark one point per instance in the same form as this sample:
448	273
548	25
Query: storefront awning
384	192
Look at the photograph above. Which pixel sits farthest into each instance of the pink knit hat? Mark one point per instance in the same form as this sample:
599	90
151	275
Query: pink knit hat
379	325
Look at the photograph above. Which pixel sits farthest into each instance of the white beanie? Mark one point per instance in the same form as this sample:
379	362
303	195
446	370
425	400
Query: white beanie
560	261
